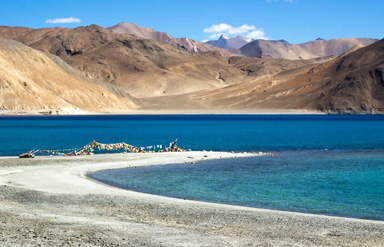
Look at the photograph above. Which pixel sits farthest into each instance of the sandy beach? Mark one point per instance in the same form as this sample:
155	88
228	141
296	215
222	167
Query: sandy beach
49	201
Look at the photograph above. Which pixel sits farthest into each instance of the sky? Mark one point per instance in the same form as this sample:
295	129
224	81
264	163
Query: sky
296	21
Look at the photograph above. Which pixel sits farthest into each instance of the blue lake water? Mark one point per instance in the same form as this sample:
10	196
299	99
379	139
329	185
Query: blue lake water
339	183
198	132
346	180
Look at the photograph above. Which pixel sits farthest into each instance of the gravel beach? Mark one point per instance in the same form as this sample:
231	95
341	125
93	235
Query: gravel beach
49	201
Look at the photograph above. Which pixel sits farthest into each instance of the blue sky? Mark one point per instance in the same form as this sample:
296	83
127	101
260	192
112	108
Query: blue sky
296	21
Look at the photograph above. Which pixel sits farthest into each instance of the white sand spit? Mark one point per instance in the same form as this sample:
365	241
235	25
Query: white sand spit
49	201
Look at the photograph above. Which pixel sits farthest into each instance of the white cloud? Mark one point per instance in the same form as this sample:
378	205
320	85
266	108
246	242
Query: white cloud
63	20
222	27
249	31
258	34
225	28
242	29
205	40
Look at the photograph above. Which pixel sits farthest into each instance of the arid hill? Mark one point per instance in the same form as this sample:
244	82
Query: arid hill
138	66
268	67
142	67
31	81
148	74
352	83
309	50
183	43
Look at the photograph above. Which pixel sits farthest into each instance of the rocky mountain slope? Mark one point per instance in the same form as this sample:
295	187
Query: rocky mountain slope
148	33
140	67
229	43
31	81
309	50
351	83
93	68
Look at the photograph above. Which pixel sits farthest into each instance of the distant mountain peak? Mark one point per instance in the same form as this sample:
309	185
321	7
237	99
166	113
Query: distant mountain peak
244	38
149	33
309	50
320	39
229	43
223	36
123	23
283	40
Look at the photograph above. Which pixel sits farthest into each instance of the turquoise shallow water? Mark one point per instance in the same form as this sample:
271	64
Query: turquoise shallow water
342	183
347	180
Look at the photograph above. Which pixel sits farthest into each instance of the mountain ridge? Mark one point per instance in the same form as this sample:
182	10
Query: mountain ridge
230	43
148	74
32	81
308	50
349	84
148	33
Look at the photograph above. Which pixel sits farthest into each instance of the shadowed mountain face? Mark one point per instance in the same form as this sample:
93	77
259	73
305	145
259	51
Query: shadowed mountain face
93	68
313	49
356	81
148	33
229	43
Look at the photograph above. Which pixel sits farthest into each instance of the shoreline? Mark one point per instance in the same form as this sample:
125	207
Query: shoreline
217	204
233	206
57	177
65	112
172	112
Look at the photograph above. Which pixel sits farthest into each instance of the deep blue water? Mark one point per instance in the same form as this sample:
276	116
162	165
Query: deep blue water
346	180
201	132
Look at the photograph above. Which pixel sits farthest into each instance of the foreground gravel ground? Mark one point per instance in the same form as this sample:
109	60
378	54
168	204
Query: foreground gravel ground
35	218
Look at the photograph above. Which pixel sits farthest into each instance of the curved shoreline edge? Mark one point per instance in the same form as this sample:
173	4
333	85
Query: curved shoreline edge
215	204
74	173
67	177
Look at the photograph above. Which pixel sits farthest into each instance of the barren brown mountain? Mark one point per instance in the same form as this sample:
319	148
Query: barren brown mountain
309	50
31	81
352	83
184	43
163	76
139	66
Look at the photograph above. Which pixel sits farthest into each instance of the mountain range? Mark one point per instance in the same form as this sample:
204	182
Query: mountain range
312	49
148	33
282	49
230	43
125	67
350	83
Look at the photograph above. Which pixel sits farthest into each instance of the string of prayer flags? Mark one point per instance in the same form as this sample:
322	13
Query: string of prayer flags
122	146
